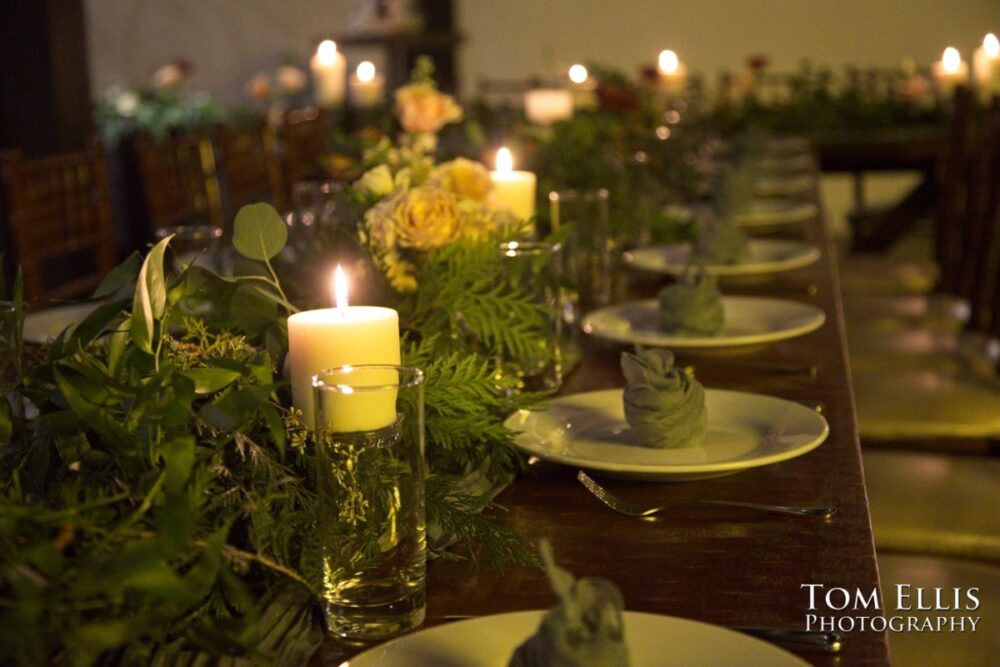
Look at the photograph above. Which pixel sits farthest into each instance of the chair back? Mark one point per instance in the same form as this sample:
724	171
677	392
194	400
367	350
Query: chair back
248	165
303	137
180	180
59	214
952	192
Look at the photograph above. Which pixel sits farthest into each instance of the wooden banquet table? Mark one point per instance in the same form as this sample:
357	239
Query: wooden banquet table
727	567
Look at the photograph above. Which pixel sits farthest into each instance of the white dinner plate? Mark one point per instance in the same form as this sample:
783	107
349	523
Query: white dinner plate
764	256
44	326
760	213
589	430
749	320
653	641
784	185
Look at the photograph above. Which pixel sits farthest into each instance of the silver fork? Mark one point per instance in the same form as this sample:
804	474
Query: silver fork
631	509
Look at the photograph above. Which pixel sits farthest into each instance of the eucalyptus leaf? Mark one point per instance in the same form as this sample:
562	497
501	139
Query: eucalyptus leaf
210	380
120	276
259	232
150	298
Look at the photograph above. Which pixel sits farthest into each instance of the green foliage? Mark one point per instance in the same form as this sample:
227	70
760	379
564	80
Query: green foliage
259	232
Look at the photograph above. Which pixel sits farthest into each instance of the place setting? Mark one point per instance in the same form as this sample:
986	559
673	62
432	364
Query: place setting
395	344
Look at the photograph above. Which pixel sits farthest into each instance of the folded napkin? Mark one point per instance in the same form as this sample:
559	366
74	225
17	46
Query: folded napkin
720	241
733	190
664	406
584	629
692	306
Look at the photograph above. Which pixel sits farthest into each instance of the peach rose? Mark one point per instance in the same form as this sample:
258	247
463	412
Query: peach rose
423	108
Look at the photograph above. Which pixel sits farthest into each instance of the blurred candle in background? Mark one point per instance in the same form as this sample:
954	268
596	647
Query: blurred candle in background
545	106
514	188
367	86
986	67
329	73
950	72
673	73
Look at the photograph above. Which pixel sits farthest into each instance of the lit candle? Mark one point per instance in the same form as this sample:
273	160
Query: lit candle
986	67
950	71
343	336
329	73
514	188
367	86
583	88
673	73
545	106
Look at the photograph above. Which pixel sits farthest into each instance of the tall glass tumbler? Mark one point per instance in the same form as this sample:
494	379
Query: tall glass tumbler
591	246
535	269
313	203
200	245
370	484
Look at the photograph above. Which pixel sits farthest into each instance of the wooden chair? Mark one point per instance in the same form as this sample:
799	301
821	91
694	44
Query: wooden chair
180	180
303	138
248	167
59	214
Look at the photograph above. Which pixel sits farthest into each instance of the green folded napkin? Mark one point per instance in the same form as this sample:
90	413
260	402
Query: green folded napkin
692	306
584	629
664	406
720	241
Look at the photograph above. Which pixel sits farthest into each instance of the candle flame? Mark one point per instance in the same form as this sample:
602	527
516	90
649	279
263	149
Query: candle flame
366	72
991	45
669	62
578	74
340	289
505	161
326	54
951	60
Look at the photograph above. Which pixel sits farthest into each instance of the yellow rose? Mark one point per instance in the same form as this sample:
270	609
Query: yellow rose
423	108
425	218
377	182
463	178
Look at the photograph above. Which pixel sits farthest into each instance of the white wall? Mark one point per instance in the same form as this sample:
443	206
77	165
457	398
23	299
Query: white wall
229	40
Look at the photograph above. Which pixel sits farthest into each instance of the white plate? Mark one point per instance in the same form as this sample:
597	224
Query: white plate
748	321
653	641
784	185
45	326
761	212
764	256
745	430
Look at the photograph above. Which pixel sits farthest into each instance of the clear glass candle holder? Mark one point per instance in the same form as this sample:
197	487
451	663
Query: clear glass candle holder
591	248
313	203
535	268
370	485
200	245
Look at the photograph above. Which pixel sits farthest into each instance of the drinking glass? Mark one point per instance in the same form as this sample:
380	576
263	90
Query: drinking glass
194	244
370	486
591	247
312	203
535	268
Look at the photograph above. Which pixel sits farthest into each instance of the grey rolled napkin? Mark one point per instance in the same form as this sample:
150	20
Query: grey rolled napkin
720	241
664	406
585	628
692	306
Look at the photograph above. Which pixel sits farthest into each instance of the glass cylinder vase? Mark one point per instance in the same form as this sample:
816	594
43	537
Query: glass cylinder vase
370	486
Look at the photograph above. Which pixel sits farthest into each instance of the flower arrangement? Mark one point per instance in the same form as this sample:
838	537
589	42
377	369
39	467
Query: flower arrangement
157	108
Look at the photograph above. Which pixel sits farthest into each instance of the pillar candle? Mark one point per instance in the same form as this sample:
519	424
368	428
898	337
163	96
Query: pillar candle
584	90
986	68
514	188
343	336
367	87
950	72
673	73
545	106
329	73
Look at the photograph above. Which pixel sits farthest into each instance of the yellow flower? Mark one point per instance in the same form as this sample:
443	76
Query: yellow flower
377	181
423	108
401	274
425	218
463	178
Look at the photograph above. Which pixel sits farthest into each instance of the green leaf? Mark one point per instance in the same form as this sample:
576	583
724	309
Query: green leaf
150	297
251	310
178	456
82	395
120	276
210	380
259	232
6	423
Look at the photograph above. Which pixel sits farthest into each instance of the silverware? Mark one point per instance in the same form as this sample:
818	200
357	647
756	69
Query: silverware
796	640
811	370
631	509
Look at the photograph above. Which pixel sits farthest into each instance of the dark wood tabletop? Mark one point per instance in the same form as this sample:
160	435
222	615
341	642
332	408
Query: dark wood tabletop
726	567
